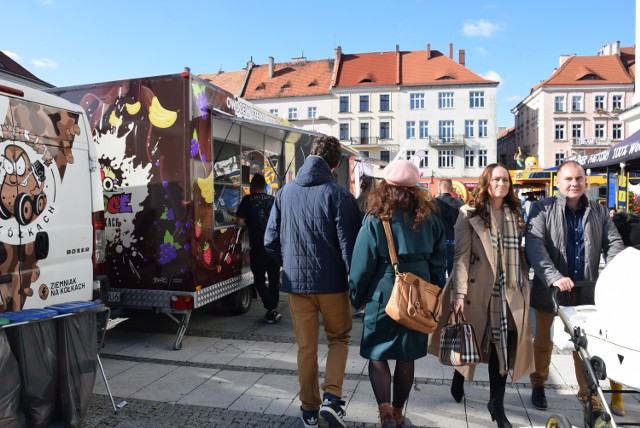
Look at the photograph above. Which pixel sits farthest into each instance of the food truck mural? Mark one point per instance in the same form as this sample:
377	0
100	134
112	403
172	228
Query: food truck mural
176	154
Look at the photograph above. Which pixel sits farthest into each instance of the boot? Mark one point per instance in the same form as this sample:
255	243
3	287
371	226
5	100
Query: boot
398	416
496	409
386	415
457	386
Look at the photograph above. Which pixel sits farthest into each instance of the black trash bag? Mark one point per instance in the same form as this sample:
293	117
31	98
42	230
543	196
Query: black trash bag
35	346
78	340
10	414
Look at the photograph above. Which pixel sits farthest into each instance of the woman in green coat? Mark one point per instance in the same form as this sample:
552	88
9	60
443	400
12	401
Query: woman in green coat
420	244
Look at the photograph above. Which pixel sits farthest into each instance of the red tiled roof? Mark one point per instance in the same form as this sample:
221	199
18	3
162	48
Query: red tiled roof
380	69
439	70
609	68
367	69
228	80
290	79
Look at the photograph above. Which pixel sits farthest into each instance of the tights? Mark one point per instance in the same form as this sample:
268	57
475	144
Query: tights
380	377
497	381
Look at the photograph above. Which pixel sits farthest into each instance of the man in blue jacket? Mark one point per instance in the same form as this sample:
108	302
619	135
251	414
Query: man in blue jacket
311	232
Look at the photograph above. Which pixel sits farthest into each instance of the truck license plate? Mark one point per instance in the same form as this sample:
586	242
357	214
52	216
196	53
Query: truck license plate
114	296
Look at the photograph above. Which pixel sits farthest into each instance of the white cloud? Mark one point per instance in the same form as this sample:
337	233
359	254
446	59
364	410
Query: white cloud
14	56
480	28
44	63
493	75
513	99
481	51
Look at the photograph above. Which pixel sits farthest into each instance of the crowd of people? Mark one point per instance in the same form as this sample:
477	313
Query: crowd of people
333	253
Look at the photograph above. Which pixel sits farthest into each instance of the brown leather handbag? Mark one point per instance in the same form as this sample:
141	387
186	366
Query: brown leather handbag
414	302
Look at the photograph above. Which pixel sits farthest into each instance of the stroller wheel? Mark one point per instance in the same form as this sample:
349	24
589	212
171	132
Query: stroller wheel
558	421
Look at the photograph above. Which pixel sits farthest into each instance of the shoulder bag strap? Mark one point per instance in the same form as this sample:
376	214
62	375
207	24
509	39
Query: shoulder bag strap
390	244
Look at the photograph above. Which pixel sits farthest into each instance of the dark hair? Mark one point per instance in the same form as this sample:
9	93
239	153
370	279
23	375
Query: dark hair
480	199
258	181
386	199
328	148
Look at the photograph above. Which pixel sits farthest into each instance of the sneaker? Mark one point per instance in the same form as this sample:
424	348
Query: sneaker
309	418
332	412
272	317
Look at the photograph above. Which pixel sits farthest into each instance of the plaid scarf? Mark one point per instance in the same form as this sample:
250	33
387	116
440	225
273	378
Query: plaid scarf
506	253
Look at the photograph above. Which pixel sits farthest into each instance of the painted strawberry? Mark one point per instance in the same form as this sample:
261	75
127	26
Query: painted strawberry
198	228
220	256
206	253
228	258
219	268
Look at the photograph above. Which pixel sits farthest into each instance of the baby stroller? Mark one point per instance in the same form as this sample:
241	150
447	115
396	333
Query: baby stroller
606	338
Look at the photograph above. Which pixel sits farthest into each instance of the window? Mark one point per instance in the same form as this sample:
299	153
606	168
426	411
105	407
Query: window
559	132
558	104
445	159
483	128
445	131
226	192
364	133
385	155
312	112
344	104
476	99
445	100
469	155
416	101
468	128
344	131
384	102
576	103
384	130
559	158
616	129
364	102
424	161
616	102
483	158
411	129
598	102
576	132
293	113
273	111
424	129
599	132
364	153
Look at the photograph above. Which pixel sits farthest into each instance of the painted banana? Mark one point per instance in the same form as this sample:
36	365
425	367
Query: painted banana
159	116
114	120
206	187
132	108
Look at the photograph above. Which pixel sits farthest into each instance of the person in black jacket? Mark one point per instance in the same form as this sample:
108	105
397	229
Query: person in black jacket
449	207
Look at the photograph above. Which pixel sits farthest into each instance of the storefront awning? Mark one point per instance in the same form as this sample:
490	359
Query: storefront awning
627	152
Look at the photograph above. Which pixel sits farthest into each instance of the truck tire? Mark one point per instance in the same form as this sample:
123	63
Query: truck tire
238	302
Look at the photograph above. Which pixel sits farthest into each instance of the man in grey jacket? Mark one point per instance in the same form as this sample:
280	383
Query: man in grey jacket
311	232
566	236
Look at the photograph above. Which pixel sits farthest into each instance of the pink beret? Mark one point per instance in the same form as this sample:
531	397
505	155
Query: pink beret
401	173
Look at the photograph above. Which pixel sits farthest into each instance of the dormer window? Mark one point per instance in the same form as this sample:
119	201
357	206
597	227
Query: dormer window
446	77
591	76
260	87
314	83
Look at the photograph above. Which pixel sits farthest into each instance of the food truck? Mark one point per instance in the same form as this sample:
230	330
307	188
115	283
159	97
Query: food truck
176	155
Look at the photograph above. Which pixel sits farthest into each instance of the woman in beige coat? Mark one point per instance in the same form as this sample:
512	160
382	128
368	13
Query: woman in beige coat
490	285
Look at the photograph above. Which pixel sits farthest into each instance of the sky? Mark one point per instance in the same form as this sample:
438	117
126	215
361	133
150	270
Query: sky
518	43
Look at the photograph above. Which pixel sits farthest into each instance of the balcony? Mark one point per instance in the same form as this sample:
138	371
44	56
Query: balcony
453	141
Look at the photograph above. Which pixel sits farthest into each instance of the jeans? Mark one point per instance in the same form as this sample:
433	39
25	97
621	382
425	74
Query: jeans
262	264
336	315
542	350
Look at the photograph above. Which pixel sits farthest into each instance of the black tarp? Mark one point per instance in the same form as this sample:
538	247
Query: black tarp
627	151
10	413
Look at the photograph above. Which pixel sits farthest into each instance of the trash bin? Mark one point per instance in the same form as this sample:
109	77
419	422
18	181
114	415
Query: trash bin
10	413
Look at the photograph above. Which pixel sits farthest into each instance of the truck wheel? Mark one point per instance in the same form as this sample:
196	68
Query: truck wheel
238	302
24	209
558	421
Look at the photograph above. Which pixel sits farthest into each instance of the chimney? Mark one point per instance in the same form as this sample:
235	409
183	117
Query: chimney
338	52
451	50
428	51
564	58
461	57
397	48
271	66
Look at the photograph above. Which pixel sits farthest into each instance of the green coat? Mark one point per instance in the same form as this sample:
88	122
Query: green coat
371	277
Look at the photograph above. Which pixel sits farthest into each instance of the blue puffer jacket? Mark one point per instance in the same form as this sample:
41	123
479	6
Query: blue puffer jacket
312	230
